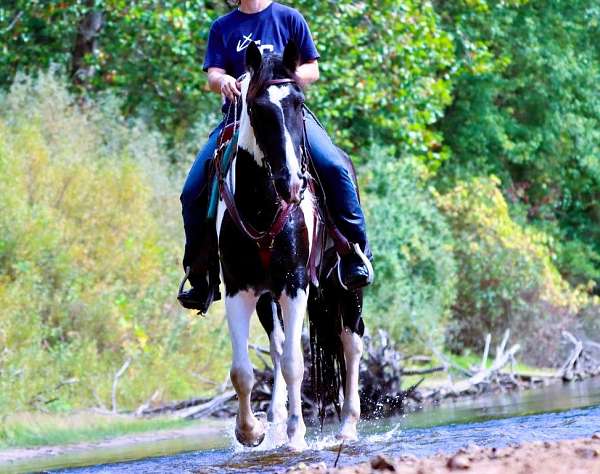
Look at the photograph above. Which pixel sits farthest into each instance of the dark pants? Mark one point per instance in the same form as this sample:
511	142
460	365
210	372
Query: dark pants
333	171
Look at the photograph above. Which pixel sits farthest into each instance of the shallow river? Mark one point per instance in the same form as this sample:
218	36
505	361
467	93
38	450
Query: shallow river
555	412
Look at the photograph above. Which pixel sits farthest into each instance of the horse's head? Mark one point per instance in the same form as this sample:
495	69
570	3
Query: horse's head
274	106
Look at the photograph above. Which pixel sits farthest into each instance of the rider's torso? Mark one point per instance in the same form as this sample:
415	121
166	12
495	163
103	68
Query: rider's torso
270	29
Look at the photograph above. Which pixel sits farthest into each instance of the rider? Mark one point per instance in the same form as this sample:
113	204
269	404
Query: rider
270	25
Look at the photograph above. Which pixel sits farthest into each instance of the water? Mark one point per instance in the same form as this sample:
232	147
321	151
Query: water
556	412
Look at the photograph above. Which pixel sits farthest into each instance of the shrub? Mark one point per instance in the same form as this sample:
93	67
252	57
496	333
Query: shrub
506	275
415	271
90	245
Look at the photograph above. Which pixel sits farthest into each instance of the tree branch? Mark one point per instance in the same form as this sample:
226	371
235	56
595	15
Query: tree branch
13	23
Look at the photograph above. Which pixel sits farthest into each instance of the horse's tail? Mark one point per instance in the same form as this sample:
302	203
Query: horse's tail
328	368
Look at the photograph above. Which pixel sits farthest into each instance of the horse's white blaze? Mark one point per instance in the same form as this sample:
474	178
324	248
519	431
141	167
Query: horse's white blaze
276	95
293	310
246	139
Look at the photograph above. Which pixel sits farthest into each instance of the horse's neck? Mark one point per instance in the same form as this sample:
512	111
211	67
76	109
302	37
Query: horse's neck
254	194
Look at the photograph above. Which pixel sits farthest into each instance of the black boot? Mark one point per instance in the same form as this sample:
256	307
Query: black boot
355	270
200	296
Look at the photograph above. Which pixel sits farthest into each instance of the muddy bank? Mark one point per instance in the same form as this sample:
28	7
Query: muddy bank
581	456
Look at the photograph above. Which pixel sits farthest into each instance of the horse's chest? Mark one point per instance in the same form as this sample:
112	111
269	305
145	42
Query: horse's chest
246	266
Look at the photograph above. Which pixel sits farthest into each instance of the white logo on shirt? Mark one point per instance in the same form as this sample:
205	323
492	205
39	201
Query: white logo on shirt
243	44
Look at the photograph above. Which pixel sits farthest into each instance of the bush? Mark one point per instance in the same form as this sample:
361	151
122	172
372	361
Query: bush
506	275
526	109
90	245
415	279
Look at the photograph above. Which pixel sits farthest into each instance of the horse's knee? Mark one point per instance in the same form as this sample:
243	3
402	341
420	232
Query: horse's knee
242	378
292	367
352	342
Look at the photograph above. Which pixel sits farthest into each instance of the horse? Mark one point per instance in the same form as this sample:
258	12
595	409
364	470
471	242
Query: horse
267	229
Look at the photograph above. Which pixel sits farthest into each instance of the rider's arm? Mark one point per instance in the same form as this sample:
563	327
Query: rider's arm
308	73
222	83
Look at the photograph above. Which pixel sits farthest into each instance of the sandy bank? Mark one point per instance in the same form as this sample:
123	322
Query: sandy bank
580	456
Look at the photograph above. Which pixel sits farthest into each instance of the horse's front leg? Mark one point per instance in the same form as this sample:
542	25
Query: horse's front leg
249	431
353	348
277	410
293	310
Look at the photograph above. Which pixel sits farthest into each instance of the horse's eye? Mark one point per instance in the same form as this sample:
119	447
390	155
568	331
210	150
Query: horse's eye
298	102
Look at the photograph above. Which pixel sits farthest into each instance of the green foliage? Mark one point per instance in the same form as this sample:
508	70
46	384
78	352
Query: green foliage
385	74
48	429
414	264
507	278
385	64
446	93
527	108
89	245
149	53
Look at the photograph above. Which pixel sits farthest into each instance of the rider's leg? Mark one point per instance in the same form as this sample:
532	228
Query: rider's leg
343	204
194	203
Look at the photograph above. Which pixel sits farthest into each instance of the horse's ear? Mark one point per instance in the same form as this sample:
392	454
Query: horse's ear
253	58
291	56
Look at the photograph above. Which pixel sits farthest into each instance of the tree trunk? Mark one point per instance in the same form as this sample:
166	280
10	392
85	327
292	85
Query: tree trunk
86	43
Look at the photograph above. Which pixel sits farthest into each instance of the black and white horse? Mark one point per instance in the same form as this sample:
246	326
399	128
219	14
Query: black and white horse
266	232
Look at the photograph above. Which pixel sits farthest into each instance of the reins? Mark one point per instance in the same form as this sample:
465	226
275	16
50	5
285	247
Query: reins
264	239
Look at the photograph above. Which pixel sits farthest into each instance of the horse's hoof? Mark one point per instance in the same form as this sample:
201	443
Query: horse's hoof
254	437
347	432
249	442
297	446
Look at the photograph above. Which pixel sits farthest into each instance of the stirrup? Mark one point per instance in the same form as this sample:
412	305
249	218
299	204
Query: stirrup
185	278
365	260
204	302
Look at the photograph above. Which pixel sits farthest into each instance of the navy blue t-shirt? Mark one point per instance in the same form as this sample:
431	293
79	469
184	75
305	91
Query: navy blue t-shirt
270	29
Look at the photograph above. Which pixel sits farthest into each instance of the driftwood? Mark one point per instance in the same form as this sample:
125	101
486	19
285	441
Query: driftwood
118	375
208	408
581	362
484	378
381	374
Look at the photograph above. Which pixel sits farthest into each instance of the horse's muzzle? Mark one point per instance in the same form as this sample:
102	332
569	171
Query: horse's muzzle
291	188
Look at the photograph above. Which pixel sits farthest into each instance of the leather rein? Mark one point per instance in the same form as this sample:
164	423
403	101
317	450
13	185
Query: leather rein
266	238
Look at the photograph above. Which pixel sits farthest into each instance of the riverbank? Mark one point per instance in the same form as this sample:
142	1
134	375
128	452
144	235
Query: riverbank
568	411
138	443
581	456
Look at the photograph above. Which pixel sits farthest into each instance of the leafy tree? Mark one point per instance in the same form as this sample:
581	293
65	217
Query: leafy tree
507	279
526	108
385	74
384	63
415	284
89	259
148	52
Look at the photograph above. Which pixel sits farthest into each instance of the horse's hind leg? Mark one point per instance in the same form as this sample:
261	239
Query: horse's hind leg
269	312
351	337
249	431
293	310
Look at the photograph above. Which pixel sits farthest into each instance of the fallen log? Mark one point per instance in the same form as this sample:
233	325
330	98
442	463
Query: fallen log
208	408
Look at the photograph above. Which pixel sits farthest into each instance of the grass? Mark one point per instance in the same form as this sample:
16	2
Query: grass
470	362
37	429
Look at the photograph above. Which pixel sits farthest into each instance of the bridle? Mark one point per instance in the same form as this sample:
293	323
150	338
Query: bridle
264	239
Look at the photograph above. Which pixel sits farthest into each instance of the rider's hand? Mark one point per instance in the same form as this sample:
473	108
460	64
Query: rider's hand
230	88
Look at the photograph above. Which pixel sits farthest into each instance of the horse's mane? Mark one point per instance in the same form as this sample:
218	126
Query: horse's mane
271	68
